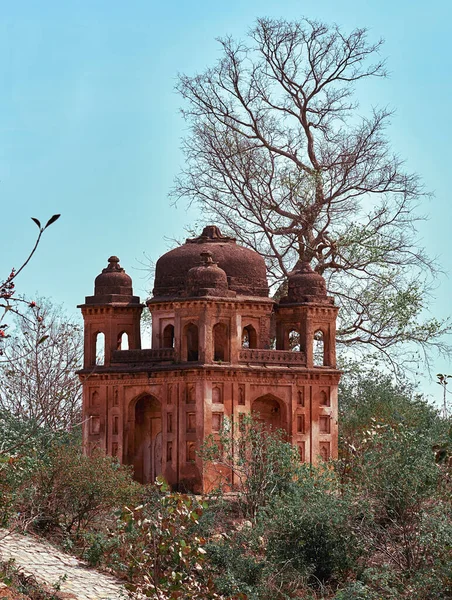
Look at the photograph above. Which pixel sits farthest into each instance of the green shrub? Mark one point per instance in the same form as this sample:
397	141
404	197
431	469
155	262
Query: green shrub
237	569
97	545
262	462
160	549
368	395
370	402
397	472
219	514
432	578
388	440
23	446
311	529
397	484
357	591
67	491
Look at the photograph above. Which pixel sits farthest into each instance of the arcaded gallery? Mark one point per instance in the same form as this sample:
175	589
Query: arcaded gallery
221	348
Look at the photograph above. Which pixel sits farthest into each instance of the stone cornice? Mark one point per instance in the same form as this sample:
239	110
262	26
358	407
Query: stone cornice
322	375
114	308
206	302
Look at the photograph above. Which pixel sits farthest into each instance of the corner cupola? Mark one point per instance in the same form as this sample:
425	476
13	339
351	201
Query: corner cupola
113	285
305	285
207	279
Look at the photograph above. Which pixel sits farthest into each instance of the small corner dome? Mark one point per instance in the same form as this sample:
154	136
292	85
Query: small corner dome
245	270
113	285
207	279
305	285
113	280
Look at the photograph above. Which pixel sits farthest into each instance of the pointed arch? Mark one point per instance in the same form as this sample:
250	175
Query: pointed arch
191	342
100	348
324	398
168	336
221	342
123	341
294	340
249	337
318	350
217	395
145	445
268	410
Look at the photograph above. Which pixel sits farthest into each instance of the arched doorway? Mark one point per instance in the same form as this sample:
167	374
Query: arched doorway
267	410
147	452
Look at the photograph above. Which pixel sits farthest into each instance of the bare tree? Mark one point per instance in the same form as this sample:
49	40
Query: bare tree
279	155
37	377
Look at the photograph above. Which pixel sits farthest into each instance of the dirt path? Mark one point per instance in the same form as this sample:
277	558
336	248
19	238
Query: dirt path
49	565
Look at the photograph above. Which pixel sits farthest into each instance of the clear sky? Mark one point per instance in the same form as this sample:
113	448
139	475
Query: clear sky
90	125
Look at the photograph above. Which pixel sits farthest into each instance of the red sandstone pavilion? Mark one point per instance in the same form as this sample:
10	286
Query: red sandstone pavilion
211	359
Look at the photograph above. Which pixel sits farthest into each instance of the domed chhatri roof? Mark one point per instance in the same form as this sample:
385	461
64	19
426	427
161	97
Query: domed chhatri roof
207	279
245	269
113	285
305	285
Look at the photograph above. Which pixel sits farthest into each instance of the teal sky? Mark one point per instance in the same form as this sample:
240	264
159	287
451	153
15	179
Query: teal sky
90	125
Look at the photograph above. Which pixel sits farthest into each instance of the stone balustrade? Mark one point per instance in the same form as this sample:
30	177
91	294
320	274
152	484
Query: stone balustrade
257	356
272	357
143	356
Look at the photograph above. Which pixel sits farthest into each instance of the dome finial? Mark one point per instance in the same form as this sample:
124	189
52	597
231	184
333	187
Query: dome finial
212	231
211	234
206	258
113	265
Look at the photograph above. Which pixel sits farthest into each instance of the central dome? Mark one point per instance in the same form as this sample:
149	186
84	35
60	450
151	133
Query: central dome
245	269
